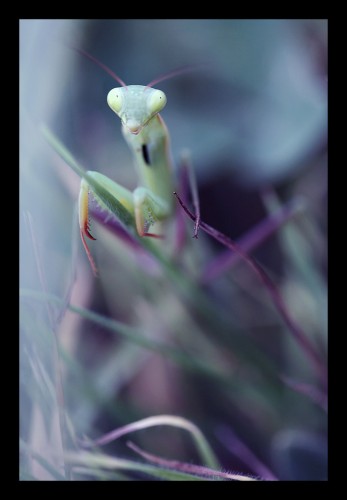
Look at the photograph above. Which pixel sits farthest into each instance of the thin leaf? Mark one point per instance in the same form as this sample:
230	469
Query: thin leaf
102	461
187	467
206	453
101	475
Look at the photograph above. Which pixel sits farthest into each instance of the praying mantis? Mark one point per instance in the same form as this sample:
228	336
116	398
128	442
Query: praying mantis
144	130
147	136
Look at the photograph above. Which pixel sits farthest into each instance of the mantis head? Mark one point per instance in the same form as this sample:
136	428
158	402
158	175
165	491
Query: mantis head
136	105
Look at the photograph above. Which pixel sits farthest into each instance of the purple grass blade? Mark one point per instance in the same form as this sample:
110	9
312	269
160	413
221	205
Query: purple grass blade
234	444
189	468
253	238
278	302
308	390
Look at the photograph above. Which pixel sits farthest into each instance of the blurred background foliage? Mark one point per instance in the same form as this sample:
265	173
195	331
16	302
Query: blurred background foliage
254	118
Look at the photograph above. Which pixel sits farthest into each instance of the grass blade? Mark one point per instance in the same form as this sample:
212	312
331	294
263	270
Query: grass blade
206	453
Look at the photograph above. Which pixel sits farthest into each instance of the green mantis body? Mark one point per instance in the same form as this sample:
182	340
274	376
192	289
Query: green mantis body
145	132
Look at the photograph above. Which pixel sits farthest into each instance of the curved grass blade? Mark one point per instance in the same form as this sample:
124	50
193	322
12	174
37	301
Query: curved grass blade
206	453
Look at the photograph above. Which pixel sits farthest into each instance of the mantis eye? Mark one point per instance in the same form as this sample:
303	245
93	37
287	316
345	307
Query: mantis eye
115	99
156	101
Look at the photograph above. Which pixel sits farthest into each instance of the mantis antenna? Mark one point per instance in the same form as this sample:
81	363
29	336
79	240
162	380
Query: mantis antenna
165	76
174	72
103	66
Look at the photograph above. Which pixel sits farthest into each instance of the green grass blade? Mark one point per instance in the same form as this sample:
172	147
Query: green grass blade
101	461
